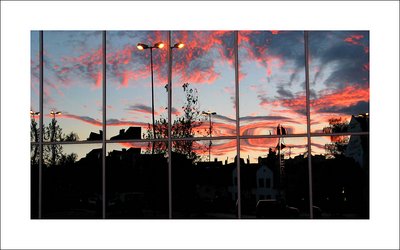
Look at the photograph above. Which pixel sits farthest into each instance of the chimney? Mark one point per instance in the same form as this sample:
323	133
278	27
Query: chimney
121	131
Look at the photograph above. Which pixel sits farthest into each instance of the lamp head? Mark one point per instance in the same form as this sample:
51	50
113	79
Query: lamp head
179	45
142	46
209	113
159	45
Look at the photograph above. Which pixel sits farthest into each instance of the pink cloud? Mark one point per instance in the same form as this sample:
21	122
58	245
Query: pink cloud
356	40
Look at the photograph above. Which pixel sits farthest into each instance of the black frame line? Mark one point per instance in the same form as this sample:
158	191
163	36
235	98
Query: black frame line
306	68
169	125
104	61
40	122
236	52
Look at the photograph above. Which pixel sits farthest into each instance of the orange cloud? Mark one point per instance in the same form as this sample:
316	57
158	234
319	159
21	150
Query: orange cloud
348	96
196	62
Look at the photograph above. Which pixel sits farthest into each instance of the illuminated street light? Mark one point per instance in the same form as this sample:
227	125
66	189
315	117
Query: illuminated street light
142	46
53	134
53	113
209	114
159	45
34	113
178	45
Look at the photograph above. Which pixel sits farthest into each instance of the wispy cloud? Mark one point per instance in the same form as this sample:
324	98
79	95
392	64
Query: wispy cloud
141	108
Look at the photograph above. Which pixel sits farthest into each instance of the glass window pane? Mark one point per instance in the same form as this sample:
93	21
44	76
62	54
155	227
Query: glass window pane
339	81
341	176
274	178
72	84
137	181
204	181
130	106
35	71
34	181
34	113
203	84
272	82
72	181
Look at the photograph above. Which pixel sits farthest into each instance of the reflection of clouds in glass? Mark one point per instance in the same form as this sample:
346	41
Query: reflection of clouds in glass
72	80
339	73
273	61
197	62
274	66
340	81
254	148
220	149
35	70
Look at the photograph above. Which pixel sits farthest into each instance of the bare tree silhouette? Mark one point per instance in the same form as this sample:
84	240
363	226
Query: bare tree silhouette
52	154
338	144
183	126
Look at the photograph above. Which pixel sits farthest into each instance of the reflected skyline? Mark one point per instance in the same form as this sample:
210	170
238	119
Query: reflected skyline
252	147
197	127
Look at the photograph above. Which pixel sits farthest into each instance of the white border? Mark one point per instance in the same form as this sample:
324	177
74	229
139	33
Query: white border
18	18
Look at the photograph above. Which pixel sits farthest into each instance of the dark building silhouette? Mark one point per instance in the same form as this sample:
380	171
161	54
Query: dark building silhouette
95	136
130	133
358	146
94	154
137	184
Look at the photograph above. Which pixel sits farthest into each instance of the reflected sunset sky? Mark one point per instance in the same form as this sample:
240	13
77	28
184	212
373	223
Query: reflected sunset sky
272	81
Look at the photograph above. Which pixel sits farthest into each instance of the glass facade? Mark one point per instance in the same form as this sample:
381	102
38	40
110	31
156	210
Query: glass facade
199	124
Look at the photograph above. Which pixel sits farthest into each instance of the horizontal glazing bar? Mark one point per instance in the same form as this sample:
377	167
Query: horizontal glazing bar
207	138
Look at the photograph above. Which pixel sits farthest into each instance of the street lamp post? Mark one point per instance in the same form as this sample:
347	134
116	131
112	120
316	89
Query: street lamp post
35	134
142	46
53	146
169	88
209	114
